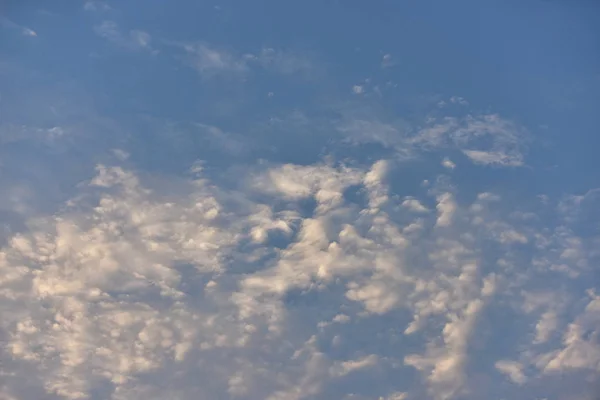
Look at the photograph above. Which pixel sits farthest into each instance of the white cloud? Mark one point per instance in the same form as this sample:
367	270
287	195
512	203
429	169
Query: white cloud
447	163
395	396
25	31
139	277
446	208
346	367
459	100
580	349
547	325
485	139
358	89
210	60
93	5
122	155
346	278
134	40
387	61
513	370
415	206
283	62
493	158
29	32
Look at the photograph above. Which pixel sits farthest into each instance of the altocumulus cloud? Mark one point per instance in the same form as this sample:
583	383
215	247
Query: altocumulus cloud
179	232
188	290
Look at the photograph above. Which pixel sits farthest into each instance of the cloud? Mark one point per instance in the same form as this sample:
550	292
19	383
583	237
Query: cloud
387	61
315	253
493	158
513	370
346	367
14	133
581	213
96	6
283	62
447	163
25	31
29	32
134	40
546	326
415	205
485	139
223	291
229	143
459	100
446	208
210	60
580	349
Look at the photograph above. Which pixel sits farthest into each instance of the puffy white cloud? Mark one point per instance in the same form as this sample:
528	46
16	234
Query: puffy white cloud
415	205
446	208
447	163
580	348
546	326
513	370
224	292
346	367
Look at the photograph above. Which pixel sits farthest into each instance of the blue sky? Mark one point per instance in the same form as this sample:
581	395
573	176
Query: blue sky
299	200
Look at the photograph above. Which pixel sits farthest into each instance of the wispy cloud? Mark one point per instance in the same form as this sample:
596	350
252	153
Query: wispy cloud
485	139
94	5
387	61
283	62
8	24
210	60
133	40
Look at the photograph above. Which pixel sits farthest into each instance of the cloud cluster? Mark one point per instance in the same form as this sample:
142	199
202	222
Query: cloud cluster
362	275
484	139
143	287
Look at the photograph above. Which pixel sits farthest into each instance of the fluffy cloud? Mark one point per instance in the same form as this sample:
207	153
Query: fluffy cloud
447	163
229	291
513	370
275	231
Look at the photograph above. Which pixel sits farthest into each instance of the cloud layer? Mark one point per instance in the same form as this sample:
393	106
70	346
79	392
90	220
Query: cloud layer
208	201
254	293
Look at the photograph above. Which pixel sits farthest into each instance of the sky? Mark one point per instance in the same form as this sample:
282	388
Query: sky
300	200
